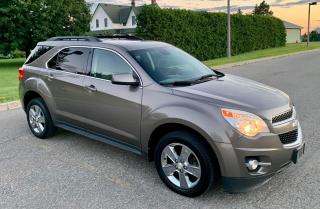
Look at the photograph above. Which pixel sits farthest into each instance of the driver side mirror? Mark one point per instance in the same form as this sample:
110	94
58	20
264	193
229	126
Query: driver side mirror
124	79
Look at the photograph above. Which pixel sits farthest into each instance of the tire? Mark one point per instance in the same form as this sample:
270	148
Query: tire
40	124
199	163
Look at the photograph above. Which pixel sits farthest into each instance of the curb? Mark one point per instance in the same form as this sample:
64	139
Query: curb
220	67
10	106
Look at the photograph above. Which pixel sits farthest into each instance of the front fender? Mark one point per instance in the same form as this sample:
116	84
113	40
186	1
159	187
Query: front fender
203	120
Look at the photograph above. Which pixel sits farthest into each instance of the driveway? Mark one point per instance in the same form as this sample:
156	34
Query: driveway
71	171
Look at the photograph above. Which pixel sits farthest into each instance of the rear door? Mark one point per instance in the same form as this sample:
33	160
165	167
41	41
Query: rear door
65	80
112	110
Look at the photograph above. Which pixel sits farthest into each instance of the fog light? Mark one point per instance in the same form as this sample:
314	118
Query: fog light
252	164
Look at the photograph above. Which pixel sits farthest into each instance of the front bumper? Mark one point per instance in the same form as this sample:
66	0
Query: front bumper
245	184
268	149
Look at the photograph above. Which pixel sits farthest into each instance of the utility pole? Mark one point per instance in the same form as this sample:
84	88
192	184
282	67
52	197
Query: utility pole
312	3
229	31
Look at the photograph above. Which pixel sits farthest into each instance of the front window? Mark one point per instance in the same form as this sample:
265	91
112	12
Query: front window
106	22
106	63
167	65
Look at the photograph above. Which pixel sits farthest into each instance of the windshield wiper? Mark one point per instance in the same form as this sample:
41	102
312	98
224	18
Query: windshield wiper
206	76
201	79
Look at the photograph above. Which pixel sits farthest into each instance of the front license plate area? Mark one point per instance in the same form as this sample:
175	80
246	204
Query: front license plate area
297	154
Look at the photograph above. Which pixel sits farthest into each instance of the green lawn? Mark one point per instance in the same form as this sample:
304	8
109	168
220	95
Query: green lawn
9	79
9	68
289	48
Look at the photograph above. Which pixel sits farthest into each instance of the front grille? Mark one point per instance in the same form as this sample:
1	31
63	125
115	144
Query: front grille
289	137
282	117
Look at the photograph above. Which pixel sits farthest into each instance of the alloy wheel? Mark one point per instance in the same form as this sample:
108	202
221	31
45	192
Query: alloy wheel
181	165
36	119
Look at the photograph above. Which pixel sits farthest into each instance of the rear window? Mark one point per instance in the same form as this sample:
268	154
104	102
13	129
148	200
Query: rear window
71	60
37	52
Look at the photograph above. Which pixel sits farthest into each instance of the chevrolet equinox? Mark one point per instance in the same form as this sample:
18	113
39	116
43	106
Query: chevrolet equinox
151	98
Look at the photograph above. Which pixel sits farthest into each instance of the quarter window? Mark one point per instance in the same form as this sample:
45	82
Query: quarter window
71	60
37	52
106	63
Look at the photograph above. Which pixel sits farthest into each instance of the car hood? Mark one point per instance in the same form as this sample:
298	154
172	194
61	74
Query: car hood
236	92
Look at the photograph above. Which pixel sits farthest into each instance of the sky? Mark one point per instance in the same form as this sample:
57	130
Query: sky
295	11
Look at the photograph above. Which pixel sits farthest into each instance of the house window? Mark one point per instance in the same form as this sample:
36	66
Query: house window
106	22
97	23
134	22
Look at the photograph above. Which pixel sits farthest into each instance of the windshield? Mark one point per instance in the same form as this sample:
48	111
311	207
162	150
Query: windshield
167	65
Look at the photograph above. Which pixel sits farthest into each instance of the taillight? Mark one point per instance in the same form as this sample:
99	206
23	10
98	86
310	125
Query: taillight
21	73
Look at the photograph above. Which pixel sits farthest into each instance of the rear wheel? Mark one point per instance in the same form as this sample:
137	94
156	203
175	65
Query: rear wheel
184	163
39	119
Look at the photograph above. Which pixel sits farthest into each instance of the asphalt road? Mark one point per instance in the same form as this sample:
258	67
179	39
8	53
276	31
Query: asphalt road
71	171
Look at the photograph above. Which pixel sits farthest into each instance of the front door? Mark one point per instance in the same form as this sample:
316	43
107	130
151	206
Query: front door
112	110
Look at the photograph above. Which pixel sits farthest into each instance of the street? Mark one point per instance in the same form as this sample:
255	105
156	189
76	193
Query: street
71	171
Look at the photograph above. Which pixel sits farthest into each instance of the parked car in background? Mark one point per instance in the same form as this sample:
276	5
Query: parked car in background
156	100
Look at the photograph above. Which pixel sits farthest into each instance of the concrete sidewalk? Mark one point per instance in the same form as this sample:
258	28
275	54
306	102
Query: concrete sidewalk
10	105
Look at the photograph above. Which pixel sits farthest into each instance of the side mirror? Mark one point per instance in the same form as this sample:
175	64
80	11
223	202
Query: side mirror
124	79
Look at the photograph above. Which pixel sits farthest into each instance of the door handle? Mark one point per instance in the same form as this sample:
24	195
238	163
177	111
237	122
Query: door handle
91	88
50	76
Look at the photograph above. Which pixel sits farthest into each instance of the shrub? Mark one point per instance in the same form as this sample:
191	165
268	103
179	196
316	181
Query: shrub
204	35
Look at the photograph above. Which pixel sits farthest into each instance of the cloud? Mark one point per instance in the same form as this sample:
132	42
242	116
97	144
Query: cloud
290	4
233	8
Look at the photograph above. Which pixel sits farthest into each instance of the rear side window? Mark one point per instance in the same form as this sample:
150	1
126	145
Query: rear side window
37	52
71	60
106	63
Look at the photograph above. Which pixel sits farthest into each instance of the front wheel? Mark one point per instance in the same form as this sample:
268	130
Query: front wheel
184	164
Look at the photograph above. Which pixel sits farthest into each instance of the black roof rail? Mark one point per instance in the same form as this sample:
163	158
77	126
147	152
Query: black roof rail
75	38
120	37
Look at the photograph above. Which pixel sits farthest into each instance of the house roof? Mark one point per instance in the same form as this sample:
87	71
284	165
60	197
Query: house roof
291	25
119	13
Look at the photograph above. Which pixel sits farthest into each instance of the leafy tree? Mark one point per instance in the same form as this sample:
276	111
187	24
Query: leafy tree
204	34
26	22
239	12
314	36
262	9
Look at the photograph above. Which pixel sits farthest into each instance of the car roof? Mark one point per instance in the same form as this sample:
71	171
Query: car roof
128	45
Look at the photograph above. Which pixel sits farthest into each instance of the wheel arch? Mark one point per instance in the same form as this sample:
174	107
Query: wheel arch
28	96
162	129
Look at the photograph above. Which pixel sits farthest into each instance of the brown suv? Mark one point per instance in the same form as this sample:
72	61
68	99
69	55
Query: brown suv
158	101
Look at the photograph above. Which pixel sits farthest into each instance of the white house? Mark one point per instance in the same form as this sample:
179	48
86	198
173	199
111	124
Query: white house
293	32
115	18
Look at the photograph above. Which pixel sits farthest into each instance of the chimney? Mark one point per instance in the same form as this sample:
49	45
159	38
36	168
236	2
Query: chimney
153	1
133	3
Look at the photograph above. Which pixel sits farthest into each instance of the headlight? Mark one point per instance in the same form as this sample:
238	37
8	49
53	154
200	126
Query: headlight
246	123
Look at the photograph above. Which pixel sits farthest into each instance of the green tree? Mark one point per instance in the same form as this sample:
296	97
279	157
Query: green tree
26	22
262	9
314	36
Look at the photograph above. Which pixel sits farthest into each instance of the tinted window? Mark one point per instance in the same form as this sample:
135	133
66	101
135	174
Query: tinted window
37	52
106	63
71	60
